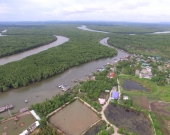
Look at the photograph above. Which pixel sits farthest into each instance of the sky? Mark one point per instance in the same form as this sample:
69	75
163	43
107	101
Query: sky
85	10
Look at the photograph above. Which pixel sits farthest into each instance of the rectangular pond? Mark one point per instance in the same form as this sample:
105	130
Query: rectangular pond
132	85
74	119
133	122
13	127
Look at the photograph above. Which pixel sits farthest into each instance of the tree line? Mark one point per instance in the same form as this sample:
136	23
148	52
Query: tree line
148	44
130	28
10	45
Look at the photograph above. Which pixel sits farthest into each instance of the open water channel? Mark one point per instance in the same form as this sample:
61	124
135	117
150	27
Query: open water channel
46	89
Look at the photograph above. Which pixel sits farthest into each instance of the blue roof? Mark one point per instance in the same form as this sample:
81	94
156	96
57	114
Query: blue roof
115	95
103	69
145	64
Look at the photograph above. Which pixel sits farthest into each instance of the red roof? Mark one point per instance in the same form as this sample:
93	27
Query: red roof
111	75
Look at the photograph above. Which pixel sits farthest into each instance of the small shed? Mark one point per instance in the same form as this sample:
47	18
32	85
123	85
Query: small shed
25	132
125	97
107	91
33	126
35	115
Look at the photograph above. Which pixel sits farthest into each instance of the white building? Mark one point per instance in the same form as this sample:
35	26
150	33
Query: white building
125	97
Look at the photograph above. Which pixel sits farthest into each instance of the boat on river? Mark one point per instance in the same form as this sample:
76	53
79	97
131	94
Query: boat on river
6	107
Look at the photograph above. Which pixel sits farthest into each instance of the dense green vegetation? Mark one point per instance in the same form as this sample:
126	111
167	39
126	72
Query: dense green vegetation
82	47
94	88
48	106
130	28
152	45
61	29
47	130
125	68
14	44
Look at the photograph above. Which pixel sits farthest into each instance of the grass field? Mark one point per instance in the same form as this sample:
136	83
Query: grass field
141	98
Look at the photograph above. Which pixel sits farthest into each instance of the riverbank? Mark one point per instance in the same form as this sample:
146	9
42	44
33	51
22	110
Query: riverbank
28	52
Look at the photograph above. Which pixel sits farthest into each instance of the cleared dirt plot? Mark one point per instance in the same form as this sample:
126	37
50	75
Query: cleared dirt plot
13	127
74	119
162	113
127	119
141	101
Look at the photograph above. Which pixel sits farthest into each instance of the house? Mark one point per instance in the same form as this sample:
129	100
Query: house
158	58
148	68
159	68
138	59
145	64
101	101
111	75
146	76
167	65
144	71
103	69
115	95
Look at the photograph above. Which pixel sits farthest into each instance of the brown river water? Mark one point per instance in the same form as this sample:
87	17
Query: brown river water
46	89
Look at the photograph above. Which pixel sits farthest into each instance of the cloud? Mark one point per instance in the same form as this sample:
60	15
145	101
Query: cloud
108	10
4	9
75	9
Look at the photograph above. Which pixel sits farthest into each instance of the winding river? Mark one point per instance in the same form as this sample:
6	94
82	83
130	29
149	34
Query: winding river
46	89
83	27
3	32
60	40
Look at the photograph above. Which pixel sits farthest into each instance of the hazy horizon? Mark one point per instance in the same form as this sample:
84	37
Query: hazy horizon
152	11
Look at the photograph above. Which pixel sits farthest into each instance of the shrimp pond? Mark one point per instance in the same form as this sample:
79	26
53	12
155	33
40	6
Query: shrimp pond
74	119
12	127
